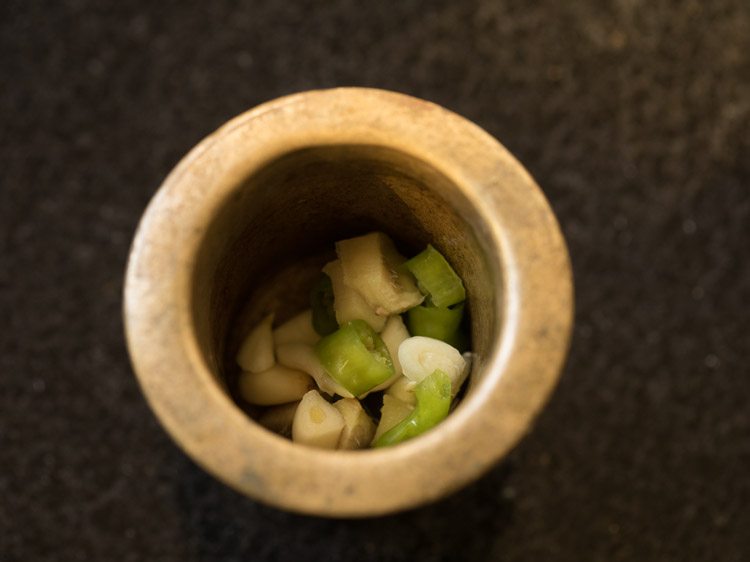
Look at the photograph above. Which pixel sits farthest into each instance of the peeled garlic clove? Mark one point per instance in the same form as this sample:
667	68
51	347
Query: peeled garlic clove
348	304
358	427
459	381
421	356
393	334
302	357
316	422
392	413
372	265
256	352
279	418
277	385
403	389
298	329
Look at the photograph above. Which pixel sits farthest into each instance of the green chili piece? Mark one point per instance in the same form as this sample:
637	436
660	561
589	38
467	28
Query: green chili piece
433	402
459	339
356	357
321	302
438	322
436	278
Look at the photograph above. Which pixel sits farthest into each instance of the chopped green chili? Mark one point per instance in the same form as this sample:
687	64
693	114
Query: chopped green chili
438	322
436	278
356	357
433	403
460	339
321	302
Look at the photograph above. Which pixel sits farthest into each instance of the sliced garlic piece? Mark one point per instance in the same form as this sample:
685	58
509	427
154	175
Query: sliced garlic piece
277	385
392	413
348	304
256	352
302	356
316	422
358	427
372	265
420	356
298	329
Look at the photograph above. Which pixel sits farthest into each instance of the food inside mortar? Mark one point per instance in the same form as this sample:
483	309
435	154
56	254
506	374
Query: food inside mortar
377	359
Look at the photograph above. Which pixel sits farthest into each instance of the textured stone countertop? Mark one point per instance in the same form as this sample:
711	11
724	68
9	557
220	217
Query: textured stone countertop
633	116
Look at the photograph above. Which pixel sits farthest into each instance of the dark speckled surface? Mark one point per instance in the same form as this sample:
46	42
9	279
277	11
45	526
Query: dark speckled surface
634	117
